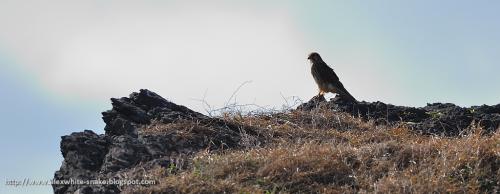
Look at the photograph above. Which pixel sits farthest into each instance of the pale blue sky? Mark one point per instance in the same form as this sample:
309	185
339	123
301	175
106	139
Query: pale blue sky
61	61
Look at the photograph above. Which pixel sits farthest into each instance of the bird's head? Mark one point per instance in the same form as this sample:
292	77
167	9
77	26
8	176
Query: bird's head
314	57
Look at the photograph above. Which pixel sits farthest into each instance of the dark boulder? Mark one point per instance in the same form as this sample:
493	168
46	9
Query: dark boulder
123	147
84	154
437	118
141	108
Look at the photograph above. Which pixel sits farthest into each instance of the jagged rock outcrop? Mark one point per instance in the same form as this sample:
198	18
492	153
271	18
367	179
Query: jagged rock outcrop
127	147
436	118
88	156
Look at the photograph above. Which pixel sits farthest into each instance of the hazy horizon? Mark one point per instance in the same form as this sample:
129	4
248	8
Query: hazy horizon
61	61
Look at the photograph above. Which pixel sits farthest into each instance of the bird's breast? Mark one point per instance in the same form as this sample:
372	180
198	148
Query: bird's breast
316	74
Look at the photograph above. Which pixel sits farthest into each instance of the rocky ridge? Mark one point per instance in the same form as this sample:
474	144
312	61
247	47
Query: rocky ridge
89	156
124	148
436	118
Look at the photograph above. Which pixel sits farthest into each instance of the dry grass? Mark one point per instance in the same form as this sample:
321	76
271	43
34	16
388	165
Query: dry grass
328	152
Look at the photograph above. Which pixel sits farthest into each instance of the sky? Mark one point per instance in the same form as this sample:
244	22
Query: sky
61	61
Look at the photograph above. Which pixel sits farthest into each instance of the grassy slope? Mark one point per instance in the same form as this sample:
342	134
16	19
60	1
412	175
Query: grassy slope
328	152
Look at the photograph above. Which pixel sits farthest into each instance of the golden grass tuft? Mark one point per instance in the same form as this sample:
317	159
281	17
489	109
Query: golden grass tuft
322	151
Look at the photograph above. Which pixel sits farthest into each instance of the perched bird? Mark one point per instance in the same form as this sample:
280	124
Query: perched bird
326	78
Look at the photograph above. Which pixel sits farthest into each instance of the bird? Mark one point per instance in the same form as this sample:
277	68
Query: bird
326	78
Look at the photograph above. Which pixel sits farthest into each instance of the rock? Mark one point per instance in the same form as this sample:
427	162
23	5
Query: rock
126	148
85	149
83	153
88	156
315	102
128	114
124	151
447	119
437	118
488	117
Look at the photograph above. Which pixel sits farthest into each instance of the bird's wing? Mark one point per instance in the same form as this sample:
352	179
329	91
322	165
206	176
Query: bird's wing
327	73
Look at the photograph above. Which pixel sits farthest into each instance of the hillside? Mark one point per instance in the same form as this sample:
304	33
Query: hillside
321	147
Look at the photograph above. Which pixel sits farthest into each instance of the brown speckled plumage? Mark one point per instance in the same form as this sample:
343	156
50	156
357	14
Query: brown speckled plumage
326	78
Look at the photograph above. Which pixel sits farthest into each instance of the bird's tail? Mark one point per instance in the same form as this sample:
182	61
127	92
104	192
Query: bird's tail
345	94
